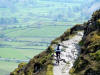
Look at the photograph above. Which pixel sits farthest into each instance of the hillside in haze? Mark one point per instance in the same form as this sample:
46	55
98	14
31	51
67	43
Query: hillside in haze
45	12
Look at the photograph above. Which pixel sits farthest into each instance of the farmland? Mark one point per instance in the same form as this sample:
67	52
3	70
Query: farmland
21	44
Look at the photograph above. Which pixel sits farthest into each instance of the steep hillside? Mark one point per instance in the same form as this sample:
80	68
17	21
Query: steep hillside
42	63
88	62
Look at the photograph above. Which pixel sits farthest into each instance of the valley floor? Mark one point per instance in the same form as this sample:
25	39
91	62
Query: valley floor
69	55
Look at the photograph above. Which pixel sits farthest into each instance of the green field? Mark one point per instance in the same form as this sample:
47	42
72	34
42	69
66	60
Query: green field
25	43
18	53
6	67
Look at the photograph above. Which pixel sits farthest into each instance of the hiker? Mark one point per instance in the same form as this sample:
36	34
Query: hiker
58	50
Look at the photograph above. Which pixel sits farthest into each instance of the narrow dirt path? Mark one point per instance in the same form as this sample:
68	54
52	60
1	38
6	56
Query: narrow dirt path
69	55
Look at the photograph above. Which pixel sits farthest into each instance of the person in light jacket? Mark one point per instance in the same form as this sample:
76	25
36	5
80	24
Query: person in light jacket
58	50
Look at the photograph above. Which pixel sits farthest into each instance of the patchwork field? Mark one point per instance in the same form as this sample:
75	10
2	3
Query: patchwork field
21	44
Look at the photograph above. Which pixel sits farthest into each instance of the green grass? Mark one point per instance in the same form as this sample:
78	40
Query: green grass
11	53
13	43
49	70
42	32
18	53
6	67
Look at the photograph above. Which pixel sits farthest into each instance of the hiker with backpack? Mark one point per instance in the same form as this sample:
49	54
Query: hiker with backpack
58	52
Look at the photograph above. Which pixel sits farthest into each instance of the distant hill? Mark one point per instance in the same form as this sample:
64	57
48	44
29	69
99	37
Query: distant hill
49	12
